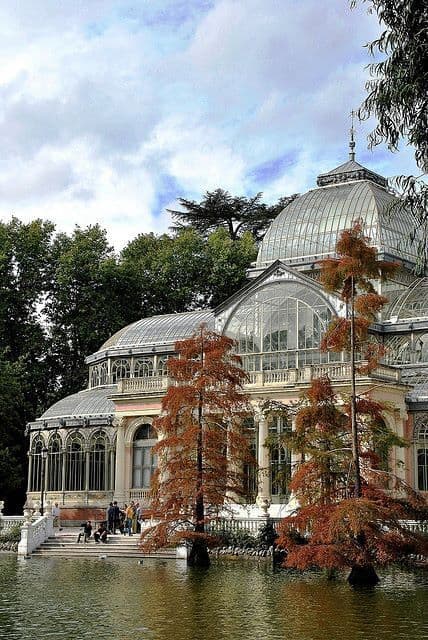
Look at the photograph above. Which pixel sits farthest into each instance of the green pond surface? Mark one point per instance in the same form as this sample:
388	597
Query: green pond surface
120	599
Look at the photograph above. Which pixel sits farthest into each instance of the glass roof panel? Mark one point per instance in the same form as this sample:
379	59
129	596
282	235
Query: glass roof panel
160	329
91	402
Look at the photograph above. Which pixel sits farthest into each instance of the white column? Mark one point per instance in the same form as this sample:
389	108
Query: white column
263	461
119	489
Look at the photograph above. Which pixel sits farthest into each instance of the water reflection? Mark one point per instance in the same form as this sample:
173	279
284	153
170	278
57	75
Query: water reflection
123	600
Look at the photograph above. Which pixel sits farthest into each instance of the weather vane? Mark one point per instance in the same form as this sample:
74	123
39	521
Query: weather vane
351	141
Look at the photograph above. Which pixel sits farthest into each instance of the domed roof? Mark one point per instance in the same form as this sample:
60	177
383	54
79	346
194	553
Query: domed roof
308	228
91	402
160	329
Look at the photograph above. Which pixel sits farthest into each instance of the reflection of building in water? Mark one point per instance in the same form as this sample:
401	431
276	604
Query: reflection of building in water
99	441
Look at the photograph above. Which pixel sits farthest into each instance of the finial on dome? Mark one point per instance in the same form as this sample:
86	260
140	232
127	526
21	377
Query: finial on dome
351	141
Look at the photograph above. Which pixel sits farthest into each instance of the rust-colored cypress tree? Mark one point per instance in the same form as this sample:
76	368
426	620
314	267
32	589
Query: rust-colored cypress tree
202	445
351	276
346	517
333	528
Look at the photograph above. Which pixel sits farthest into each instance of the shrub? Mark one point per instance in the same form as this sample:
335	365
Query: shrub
13	534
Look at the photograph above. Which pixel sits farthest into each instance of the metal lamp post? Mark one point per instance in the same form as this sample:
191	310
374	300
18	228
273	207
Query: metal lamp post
44	455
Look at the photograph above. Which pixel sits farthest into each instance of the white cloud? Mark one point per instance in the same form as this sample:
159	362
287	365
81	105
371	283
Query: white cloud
108	105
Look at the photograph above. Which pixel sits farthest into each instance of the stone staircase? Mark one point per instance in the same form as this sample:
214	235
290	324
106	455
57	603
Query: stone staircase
64	545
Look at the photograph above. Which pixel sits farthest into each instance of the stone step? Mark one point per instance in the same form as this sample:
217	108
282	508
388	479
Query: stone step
65	546
107	554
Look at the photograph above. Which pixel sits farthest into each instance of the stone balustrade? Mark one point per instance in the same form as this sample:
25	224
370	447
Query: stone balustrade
140	495
338	371
33	534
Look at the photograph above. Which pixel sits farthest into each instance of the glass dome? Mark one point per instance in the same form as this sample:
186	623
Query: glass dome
308	228
160	329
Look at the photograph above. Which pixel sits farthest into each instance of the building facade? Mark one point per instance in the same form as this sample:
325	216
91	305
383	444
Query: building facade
96	445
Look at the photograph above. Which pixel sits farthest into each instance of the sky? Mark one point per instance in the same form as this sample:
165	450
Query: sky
110	110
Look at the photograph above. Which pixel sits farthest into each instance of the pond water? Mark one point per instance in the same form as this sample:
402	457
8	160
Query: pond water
123	600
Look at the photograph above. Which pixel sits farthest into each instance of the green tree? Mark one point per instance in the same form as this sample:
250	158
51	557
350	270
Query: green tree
25	377
85	304
202	447
164	272
226	264
236	214
12	441
397	96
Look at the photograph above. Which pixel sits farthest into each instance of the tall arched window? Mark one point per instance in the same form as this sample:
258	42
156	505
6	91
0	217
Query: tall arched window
98	463
36	464
55	460
144	462
75	464
143	368
120	369
421	449
103	373
95	377
162	368
280	459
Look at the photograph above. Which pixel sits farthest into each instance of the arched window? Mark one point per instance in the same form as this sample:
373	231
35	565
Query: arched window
421	449
162	368
36	464
280	327
144	462
120	369
95	377
98	463
75	464
103	373
143	368
280	459
55	460
99	375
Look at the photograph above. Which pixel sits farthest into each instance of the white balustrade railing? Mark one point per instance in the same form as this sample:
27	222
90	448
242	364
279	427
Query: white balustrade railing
150	383
35	530
140	495
416	525
9	522
334	370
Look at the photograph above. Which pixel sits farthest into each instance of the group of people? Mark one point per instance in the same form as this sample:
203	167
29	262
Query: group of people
127	520
100	535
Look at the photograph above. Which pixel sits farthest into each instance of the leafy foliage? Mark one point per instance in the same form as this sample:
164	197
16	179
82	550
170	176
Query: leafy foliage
397	96
351	276
13	534
398	91
236	214
202	446
84	305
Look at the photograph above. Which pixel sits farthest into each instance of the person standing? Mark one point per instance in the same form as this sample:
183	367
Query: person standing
116	517
56	513
110	518
129	514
